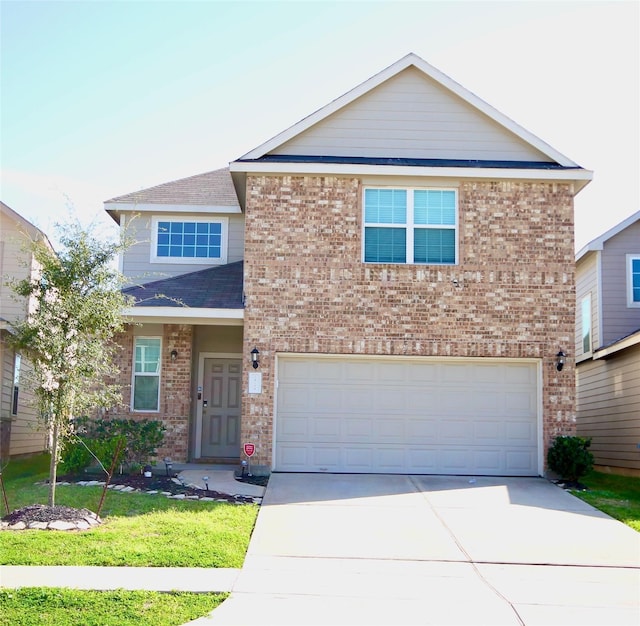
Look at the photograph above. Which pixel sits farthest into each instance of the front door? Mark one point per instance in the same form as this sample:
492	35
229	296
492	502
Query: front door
221	395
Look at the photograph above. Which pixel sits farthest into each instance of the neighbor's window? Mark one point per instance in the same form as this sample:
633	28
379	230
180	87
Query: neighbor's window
410	226
146	374
16	384
633	280
586	324
189	241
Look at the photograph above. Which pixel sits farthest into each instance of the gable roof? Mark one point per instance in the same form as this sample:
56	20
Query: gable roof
219	287
410	60
598	242
211	191
33	231
339	148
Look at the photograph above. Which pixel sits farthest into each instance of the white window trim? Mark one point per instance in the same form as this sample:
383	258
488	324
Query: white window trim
586	298
154	258
409	225
15	384
134	374
630	259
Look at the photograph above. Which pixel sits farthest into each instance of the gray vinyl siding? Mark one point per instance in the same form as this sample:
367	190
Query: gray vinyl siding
13	265
410	116
618	319
136	263
27	434
587	283
608	408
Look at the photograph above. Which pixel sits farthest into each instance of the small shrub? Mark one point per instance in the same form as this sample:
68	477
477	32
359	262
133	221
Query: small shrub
570	457
99	438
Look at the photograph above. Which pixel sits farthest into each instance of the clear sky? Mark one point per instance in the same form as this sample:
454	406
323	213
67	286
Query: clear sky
101	98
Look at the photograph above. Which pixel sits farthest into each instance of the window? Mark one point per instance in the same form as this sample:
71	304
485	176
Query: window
586	324
146	374
410	226
189	241
633	280
16	384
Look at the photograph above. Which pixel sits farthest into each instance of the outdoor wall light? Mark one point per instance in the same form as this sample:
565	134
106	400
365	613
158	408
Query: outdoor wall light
254	358
560	359
174	355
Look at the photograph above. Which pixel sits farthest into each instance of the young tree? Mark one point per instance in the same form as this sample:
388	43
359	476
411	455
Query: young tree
76	308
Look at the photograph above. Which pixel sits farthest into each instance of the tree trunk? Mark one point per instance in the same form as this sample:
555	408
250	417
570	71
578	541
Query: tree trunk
53	465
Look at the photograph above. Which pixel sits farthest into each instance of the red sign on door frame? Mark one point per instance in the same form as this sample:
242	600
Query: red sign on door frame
249	449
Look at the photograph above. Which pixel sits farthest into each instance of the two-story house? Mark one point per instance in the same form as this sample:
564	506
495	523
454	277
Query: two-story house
607	346
21	431
386	286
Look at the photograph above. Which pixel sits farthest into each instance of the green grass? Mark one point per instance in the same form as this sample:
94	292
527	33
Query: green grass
618	496
66	607
138	530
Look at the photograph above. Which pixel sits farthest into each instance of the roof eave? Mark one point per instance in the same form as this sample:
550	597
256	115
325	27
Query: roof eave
579	176
597	244
622	344
185	315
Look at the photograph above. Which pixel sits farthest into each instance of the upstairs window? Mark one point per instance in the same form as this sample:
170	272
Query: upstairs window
189	241
633	280
412	226
146	374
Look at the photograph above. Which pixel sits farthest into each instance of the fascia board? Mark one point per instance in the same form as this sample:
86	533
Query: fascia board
146	207
623	344
185	315
580	176
433	73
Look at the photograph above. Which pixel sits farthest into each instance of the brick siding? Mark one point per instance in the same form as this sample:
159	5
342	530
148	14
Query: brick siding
308	291
175	388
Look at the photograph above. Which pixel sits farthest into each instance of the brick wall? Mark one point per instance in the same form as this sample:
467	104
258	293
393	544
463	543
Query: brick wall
307	289
175	388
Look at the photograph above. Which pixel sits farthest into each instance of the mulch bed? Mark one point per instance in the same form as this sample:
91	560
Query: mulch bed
160	483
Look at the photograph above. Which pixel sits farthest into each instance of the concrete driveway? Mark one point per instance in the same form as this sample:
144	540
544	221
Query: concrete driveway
388	549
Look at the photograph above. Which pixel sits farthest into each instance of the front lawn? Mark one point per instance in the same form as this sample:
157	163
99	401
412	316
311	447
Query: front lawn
68	607
138	529
618	496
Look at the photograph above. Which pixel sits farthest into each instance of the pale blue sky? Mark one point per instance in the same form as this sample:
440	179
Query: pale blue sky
100	98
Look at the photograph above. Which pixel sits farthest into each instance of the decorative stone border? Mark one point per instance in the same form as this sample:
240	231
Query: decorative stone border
90	520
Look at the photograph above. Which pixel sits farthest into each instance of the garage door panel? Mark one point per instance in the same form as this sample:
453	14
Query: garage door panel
522	433
519	462
520	402
355	400
405	415
358	428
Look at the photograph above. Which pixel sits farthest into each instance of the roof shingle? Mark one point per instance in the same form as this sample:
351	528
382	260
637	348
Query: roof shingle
217	287
211	189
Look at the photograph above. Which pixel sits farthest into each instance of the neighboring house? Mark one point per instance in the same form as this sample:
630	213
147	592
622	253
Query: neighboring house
21	431
608	346
383	287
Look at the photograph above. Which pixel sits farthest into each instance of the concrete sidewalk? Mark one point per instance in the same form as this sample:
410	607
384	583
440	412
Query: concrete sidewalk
131	578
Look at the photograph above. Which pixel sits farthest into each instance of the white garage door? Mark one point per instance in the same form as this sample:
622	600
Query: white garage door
379	415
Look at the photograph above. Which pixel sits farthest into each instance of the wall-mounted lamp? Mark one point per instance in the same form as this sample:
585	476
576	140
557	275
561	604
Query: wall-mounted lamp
560	359
254	358
174	355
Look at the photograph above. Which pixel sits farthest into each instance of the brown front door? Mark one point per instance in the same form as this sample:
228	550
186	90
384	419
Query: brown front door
221	395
